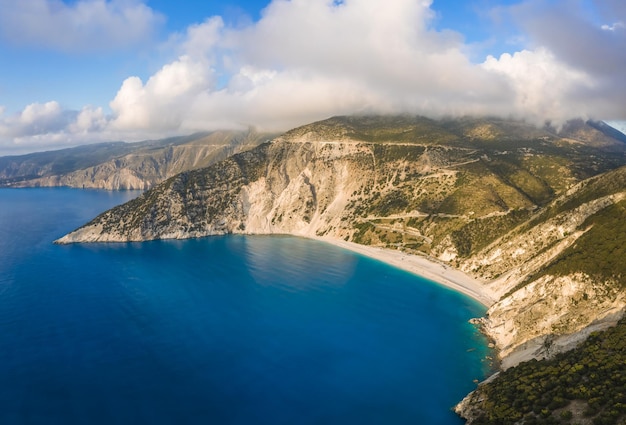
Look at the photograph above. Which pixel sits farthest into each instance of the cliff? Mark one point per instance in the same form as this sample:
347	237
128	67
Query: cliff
526	211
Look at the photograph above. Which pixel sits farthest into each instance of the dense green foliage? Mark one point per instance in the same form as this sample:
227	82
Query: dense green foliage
477	234
530	185
603	185
397	152
601	251
585	384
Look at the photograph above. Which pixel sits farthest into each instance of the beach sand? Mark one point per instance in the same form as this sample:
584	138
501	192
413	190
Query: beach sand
423	267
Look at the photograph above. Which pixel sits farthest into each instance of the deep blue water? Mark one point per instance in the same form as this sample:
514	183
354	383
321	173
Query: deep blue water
223	330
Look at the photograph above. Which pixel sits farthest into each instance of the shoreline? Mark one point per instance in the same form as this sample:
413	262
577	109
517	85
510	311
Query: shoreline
421	266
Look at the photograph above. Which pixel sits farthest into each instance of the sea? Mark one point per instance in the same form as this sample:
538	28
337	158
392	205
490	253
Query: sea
219	330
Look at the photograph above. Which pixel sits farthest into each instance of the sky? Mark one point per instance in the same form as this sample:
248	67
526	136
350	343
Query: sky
83	71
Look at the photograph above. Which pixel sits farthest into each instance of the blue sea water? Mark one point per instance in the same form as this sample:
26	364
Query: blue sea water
222	330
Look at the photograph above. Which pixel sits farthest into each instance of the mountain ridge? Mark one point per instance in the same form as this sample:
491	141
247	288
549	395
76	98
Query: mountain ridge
119	165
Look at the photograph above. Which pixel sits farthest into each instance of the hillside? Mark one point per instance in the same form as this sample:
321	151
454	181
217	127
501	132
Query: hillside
536	215
585	386
121	165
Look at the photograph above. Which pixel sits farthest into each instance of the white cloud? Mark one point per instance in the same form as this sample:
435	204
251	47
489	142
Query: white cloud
616	26
36	118
572	33
202	38
84	25
88	120
310	59
165	99
544	87
37	121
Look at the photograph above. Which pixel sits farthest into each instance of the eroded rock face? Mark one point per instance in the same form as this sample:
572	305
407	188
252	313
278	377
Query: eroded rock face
283	187
548	315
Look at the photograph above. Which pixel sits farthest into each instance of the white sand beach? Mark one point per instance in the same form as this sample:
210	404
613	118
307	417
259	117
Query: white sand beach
423	267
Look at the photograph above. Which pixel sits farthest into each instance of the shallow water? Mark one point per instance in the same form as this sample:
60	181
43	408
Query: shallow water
225	330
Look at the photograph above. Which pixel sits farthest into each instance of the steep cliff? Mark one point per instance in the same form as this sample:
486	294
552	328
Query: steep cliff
279	187
514	206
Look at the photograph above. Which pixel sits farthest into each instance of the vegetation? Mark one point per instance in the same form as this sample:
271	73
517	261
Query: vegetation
203	195
393	152
530	185
601	251
363	234
555	170
476	179
478	233
378	129
607	184
25	167
586	385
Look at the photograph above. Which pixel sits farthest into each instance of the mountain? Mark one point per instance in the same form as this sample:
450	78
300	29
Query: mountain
121	165
535	214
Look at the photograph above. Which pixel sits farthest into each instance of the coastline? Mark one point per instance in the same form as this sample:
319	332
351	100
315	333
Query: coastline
423	267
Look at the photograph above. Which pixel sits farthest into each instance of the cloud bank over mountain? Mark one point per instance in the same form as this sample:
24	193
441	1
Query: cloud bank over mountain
304	60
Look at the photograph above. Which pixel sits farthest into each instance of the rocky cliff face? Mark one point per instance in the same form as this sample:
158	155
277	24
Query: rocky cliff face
280	187
550	297
512	205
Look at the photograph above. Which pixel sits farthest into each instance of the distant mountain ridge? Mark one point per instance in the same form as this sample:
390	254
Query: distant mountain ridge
119	165
608	130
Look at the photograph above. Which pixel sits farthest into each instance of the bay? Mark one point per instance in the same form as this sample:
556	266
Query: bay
224	330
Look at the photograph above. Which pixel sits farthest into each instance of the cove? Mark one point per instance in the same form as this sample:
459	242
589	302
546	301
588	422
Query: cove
225	330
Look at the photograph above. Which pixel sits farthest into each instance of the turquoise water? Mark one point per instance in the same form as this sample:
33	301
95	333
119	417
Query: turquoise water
222	330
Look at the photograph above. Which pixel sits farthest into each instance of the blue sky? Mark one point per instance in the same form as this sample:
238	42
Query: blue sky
84	71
